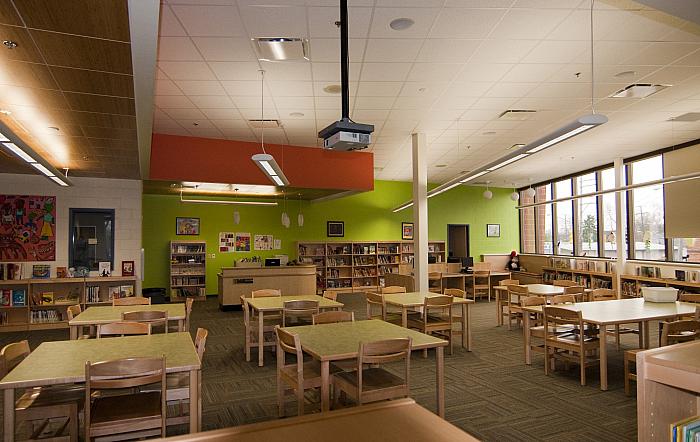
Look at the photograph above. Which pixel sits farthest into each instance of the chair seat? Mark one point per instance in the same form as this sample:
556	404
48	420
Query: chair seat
573	339
139	411
311	373
177	384
538	331
372	379
49	396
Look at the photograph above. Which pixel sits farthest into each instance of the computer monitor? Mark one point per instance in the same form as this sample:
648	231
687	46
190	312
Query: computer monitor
432	259
467	262
272	262
454	260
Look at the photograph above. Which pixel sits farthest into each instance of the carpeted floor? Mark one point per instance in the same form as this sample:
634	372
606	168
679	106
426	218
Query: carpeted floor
489	392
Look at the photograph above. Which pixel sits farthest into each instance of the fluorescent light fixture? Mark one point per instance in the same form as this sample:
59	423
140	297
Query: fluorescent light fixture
474	176
269	166
506	162
225	188
19	152
445	189
639	90
234	202
41	168
58	181
281	49
403	206
3	138
577	126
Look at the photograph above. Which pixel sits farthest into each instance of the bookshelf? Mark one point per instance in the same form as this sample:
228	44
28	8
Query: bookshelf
356	266
41	304
188	270
632	285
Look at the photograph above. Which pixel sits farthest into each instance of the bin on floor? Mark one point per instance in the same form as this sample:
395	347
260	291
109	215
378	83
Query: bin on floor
157	295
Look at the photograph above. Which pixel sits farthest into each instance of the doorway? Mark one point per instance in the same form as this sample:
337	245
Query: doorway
458	240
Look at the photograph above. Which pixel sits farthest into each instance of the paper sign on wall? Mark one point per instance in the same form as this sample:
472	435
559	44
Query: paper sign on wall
226	242
263	242
278	244
242	242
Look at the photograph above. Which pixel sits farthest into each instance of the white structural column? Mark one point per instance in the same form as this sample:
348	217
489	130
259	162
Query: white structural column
420	212
620	228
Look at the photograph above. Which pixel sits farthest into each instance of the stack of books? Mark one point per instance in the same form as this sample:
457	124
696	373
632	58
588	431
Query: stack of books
687	430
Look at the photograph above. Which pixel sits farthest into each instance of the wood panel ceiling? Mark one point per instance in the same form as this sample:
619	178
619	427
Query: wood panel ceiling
71	70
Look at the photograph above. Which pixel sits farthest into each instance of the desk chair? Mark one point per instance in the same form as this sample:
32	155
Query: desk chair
155	318
297	376
436	319
574	347
300	311
500	301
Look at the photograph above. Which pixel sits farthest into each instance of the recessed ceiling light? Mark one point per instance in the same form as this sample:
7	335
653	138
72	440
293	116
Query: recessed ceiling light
296	114
281	49
9	44
422	89
54	128
515	146
5	112
687	117
400	24
625	74
441	165
639	90
332	89
517	114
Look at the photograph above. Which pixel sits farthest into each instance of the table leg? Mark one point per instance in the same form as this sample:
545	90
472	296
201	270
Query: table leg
646	334
603	360
404	316
73	332
640	328
180	325
195	412
9	415
465	340
440	380
261	339
325	386
527	337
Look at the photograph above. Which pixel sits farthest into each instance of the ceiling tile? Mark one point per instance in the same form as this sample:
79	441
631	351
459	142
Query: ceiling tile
434	71
385	71
528	23
328	49
274	21
225	48
177	49
242	88
173	101
550	51
291	88
391	50
286	71
483	72
322	20
169	24
221	114
185	114
442	50
379	89
186	70
465	23
423	20
331	71
230	70
210	21
197	87
212	101
166	87
502	51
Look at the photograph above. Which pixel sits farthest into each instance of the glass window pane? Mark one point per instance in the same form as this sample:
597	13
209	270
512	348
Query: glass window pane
587	215
609	221
527	224
544	220
648	210
565	219
92	239
686	249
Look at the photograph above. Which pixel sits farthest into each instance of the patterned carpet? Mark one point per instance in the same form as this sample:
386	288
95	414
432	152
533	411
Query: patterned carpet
489	392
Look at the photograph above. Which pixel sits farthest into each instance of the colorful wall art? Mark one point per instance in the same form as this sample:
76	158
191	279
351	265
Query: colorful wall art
27	228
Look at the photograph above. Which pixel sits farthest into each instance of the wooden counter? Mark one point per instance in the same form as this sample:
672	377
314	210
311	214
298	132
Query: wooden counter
235	282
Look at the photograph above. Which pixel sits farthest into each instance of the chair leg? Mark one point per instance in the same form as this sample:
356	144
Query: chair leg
247	345
73	424
582	362
617	336
546	359
627	375
300	400
510	319
280	398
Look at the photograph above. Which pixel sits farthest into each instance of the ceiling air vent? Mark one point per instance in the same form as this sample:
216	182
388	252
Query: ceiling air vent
639	90
517	114
689	117
281	48
267	124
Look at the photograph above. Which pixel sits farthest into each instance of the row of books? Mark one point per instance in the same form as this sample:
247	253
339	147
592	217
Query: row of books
338	262
385	270
365	250
309	250
391	259
582	264
334	273
387	249
188	291
364	260
188	248
44	316
10	271
339	283
13	297
686	430
194	280
365	272
4	318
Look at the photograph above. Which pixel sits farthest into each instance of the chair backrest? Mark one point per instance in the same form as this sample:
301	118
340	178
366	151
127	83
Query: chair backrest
555	317
131	300
123	329
298	309
73	310
509	282
288	343
482	276
690	297
533	300
200	342
697	313
381	352
331	317
519	290
481	266
392	289
574	290
265	293
457	293
11	355
563	299
434	275
679	331
155	318
330	294
440	303
603	295
189	303
563	283
375	300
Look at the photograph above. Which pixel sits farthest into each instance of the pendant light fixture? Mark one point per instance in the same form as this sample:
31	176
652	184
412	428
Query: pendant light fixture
285	218
487	193
265	161
236	217
300	216
515	196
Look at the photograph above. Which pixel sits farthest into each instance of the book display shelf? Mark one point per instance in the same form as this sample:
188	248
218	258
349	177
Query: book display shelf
632	285
592	274
361	265
188	265
40	304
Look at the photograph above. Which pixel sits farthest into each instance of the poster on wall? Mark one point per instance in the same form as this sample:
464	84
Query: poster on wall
278	244
227	242
263	242
27	228
242	242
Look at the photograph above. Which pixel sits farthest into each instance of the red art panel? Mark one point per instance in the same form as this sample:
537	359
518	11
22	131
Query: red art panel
27	228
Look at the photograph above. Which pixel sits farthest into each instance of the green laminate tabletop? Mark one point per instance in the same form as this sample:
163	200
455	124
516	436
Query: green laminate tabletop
625	311
275	303
330	342
63	362
108	314
415	299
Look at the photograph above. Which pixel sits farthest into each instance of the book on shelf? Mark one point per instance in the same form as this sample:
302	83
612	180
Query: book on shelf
5	298
19	297
188	248
10	271
92	294
4	318
44	316
114	292
41	271
686	430
126	291
47	298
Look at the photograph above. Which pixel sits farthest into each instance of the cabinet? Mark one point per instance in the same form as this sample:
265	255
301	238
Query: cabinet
632	285
188	270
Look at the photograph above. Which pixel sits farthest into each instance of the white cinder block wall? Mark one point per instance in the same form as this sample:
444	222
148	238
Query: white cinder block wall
124	196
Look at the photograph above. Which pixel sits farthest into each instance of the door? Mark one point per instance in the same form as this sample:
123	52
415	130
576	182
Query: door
458	240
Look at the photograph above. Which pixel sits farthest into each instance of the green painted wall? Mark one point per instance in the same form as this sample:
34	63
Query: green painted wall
367	216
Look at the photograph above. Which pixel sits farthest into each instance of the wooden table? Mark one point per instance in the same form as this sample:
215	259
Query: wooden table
335	342
412	300
63	362
391	421
97	315
615	312
274	304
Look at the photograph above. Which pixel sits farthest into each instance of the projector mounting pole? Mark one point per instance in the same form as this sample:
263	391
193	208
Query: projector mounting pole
344	59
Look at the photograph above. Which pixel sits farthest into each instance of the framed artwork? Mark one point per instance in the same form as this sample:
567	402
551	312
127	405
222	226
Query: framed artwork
27	228
186	226
406	230
127	268
493	230
335	228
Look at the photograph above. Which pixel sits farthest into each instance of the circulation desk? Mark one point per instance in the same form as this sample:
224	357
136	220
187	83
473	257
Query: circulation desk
235	282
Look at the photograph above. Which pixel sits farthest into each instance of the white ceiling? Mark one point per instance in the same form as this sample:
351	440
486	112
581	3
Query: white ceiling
450	75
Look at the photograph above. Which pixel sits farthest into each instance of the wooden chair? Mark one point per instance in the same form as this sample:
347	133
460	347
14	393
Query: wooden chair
189	304
71	312
374	383
575	347
330	294
435	282
156	318
536	326
456	318
673	332
376	300
481	284
392	312
131	300
563	299
563	283
437	317
250	326
392	289
123	329
265	293
603	295
481	266
578	291
610	295
125	416
298	376
332	317
300	311
499	296
37	406
515	294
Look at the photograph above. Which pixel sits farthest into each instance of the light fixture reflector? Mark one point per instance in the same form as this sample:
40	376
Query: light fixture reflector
19	152
41	168
577	126
506	162
58	181
3	137
476	175
269	166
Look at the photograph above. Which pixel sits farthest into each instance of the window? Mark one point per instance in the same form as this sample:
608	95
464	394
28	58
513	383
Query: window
91	239
527	223
586	215
647	207
608	222
564	219
685	249
543	220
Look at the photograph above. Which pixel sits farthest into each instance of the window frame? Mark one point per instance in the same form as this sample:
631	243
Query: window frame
71	240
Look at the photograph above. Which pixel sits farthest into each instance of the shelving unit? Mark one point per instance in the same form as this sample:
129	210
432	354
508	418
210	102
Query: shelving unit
188	270
587	278
360	265
632	285
46	300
